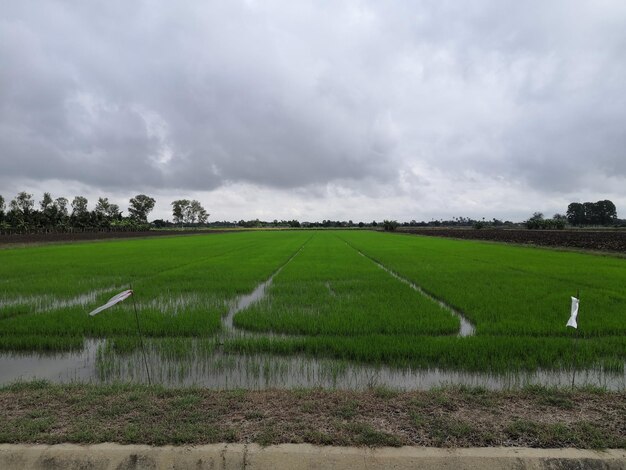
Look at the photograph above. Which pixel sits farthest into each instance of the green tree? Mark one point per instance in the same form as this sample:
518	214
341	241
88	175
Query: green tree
576	213
140	206
80	212
198	213
21	211
179	210
106	209
536	221
79	206
23	203
591	213
390	225
62	217
188	212
61	205
49	211
606	212
46	202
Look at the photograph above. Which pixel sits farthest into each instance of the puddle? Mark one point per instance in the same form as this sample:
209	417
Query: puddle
58	367
467	329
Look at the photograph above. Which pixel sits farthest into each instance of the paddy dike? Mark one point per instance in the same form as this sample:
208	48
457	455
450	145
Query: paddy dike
298	456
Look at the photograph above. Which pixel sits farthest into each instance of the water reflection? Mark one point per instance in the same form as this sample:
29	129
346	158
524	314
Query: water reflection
56	367
203	364
45	303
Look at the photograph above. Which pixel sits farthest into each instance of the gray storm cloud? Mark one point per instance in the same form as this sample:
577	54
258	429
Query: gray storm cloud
198	95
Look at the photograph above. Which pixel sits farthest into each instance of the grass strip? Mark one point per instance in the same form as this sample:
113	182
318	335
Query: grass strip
38	412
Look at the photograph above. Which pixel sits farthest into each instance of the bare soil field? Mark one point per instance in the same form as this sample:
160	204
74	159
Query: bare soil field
601	240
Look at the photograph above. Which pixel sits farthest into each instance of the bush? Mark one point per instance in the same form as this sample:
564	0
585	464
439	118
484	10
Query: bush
390	225
545	224
537	222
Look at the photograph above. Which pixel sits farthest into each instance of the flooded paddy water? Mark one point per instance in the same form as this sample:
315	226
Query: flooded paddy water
217	370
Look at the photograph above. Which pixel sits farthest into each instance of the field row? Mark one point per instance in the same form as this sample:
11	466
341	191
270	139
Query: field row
329	289
509	290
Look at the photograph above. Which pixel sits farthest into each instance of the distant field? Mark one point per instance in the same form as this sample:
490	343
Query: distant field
329	298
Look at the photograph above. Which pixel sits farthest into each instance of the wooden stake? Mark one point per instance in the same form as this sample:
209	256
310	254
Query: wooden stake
143	350
575	343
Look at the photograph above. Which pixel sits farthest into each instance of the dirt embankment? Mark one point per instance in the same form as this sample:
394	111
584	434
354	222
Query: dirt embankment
86	236
601	240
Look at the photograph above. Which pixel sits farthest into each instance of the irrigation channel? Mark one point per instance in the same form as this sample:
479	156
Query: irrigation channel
205	364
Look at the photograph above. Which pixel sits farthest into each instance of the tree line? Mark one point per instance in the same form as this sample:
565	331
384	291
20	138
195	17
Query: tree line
60	215
592	213
23	215
578	214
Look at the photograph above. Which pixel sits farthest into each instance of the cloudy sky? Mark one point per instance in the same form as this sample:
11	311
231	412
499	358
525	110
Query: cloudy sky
326	109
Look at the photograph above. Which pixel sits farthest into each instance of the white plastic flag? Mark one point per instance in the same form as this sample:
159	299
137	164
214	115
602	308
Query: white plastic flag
574	313
112	301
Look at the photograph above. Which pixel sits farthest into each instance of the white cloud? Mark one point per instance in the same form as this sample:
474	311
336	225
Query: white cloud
346	110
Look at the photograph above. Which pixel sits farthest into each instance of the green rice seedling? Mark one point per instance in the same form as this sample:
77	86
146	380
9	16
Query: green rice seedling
339	304
496	354
508	290
41	343
182	286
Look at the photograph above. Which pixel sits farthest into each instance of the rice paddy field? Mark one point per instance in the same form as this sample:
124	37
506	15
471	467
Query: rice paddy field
344	308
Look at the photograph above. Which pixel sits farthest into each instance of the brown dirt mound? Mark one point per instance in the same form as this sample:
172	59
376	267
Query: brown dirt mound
86	236
601	240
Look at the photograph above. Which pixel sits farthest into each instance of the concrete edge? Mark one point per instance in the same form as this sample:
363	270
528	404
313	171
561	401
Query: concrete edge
297	456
